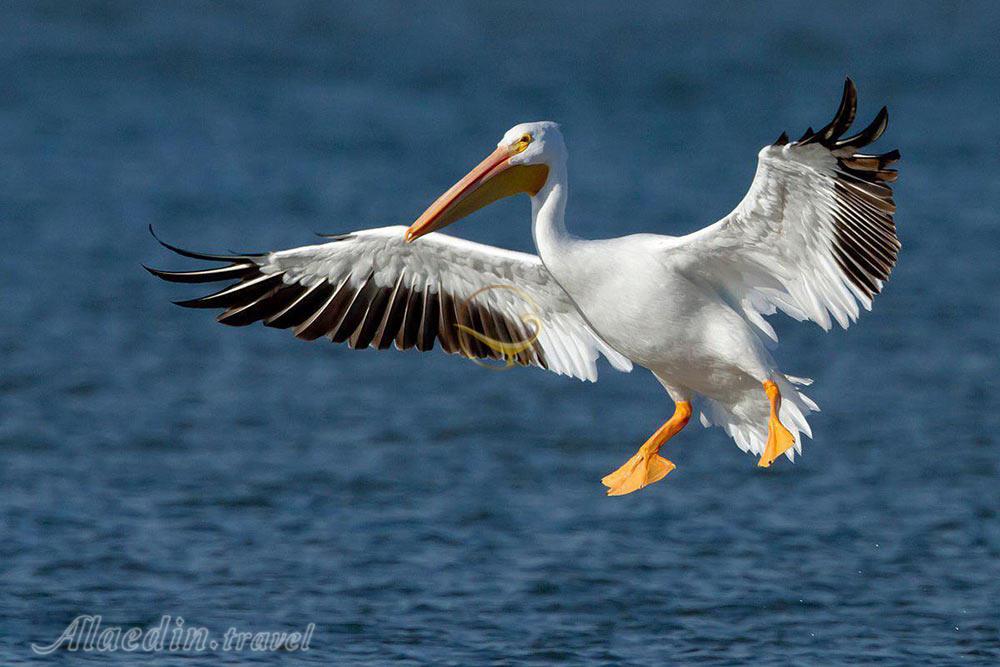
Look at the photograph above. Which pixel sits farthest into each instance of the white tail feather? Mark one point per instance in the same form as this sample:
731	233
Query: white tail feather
745	421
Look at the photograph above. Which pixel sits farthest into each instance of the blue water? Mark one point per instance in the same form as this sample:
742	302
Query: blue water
417	508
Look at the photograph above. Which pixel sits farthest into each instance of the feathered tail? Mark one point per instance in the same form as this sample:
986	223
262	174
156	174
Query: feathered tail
746	420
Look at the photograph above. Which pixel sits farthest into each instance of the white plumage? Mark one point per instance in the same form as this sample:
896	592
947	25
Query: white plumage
814	237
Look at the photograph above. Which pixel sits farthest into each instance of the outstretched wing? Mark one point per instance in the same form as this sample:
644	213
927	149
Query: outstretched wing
814	236
370	289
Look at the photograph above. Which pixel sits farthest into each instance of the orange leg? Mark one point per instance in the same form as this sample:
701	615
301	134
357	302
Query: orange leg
779	439
647	466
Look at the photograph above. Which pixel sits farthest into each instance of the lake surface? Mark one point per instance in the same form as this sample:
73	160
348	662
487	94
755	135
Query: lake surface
419	509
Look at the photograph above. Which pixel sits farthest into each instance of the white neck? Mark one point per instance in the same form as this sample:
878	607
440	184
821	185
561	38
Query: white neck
548	216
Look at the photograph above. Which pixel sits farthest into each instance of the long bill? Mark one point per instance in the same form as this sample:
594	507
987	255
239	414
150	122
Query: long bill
492	179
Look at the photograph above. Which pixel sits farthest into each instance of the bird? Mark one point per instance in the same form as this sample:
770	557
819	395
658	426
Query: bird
814	238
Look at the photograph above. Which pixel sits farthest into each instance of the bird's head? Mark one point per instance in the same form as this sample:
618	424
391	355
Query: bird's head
520	163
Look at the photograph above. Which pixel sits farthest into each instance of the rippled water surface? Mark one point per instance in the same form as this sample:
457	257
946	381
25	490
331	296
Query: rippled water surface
417	508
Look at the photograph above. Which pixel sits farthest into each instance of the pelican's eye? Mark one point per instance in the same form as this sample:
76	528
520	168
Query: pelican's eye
521	143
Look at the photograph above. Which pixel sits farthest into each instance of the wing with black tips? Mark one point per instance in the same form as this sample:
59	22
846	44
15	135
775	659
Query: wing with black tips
815	235
370	289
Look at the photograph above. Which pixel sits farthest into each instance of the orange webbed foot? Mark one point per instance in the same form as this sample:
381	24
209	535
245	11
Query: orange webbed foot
647	466
644	468
779	438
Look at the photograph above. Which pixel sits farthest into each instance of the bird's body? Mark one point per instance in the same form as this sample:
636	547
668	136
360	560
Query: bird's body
814	237
643	296
670	324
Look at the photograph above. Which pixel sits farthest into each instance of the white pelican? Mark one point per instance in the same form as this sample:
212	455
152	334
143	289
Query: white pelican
814	237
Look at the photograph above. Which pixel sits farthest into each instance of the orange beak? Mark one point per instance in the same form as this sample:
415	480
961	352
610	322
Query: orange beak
492	179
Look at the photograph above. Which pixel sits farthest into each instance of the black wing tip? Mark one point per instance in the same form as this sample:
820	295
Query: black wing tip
807	136
232	271
841	119
241	257
335	237
867	136
830	135
172	248
159	273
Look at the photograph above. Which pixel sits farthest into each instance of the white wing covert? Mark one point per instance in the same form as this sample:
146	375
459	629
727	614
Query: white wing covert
370	289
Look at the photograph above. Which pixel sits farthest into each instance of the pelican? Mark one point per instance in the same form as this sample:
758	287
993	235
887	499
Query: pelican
814	238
